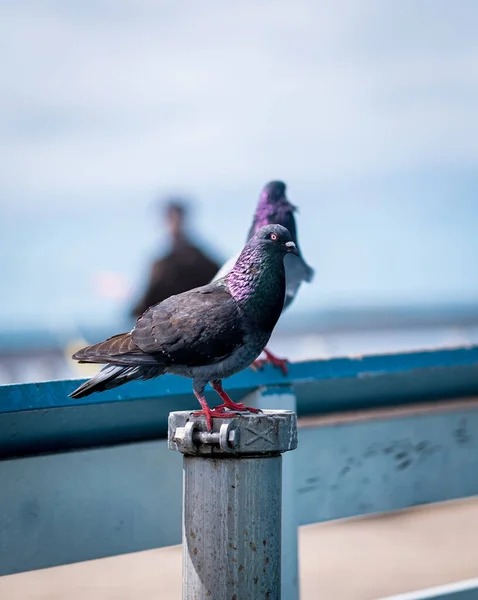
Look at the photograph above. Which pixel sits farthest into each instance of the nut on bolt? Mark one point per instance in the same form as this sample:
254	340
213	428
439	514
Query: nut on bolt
190	437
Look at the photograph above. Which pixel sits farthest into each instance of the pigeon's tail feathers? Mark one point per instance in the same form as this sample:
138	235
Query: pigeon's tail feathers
296	271
112	376
119	350
300	270
309	273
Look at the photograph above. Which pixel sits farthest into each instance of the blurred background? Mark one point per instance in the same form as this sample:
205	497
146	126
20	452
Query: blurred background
366	109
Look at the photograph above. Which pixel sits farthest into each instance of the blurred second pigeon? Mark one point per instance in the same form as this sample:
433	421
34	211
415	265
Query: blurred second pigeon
274	207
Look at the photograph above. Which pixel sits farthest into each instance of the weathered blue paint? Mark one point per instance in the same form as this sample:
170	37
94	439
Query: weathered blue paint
102	424
54	394
41	418
389	462
128	498
462	590
63	508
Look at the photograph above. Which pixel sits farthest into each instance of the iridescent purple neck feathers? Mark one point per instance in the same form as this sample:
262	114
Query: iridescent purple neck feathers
257	283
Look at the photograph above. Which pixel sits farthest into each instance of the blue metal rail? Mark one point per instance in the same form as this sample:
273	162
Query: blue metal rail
463	590
37	418
93	478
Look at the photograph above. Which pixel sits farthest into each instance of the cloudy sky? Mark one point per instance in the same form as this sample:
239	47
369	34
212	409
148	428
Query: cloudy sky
366	108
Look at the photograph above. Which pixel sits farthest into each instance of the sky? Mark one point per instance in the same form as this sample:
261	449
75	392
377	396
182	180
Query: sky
365	108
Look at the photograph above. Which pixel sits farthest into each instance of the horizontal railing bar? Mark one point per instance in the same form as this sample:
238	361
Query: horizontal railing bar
127	498
40	418
410	410
54	394
462	590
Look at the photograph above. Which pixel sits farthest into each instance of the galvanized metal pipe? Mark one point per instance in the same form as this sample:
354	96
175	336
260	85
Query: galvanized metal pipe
232	503
283	397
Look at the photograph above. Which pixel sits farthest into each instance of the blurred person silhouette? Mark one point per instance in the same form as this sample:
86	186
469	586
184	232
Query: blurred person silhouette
184	267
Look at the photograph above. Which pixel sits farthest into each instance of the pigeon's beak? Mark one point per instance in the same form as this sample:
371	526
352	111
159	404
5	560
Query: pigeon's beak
291	248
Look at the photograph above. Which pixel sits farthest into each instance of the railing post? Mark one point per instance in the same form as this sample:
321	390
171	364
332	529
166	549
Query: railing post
283	397
232	503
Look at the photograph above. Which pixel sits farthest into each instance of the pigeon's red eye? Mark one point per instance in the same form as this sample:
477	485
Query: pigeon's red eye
273	237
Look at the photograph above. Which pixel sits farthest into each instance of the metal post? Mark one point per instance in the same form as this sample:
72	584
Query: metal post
283	397
232	503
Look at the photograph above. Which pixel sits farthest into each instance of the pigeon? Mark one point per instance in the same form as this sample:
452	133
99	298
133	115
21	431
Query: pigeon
207	333
274	207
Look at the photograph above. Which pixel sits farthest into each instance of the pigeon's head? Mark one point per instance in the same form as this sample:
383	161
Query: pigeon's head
273	192
275	239
274	207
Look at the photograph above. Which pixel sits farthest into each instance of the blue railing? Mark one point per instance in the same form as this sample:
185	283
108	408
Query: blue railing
93	478
138	411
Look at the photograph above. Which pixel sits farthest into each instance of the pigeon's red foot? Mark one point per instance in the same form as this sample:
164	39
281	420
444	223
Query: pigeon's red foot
280	363
236	406
210	413
228	403
207	412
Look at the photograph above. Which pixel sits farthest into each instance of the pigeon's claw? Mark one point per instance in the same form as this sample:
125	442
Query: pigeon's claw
236	406
207	412
280	363
212	412
228	403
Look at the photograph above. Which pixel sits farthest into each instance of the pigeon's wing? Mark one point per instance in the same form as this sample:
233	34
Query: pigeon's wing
226	268
118	350
197	328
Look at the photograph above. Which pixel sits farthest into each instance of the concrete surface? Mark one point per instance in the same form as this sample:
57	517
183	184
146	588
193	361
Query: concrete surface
355	559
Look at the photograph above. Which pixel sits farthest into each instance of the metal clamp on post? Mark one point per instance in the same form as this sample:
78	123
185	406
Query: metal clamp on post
190	439
232	502
269	432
